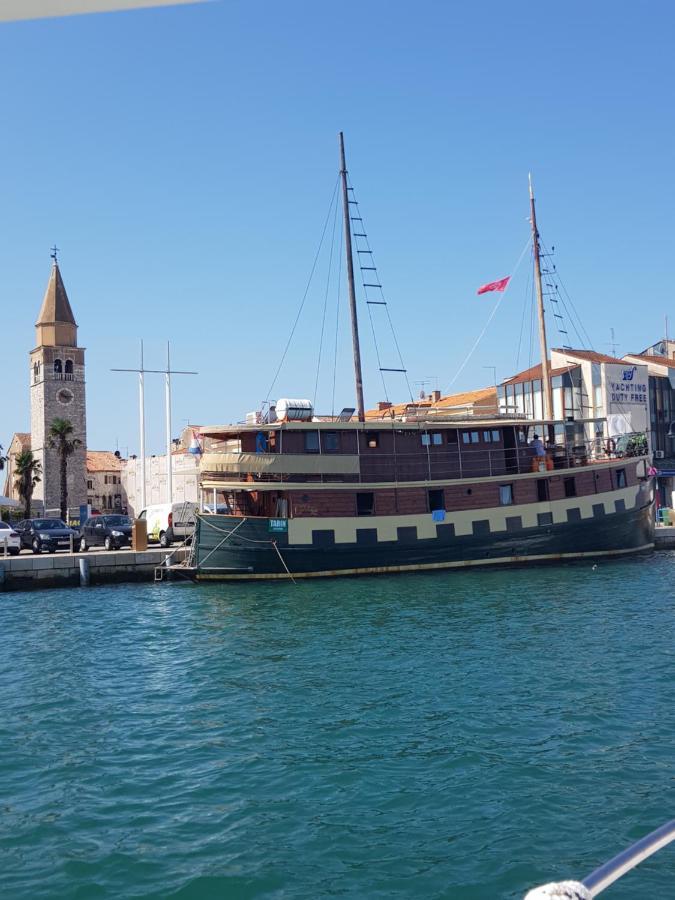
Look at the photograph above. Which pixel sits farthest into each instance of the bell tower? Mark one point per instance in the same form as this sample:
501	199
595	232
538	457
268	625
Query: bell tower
57	391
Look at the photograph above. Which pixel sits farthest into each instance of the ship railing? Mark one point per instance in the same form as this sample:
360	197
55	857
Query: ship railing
448	462
604	876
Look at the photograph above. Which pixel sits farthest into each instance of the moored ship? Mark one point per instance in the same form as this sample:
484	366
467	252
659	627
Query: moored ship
296	494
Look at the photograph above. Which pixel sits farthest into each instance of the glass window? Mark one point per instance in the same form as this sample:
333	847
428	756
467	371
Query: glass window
570	487
372	439
496	436
474	437
436	499
437	438
331	441
426	439
505	494
621	478
542	490
365	503
452	437
487	436
466	437
311	442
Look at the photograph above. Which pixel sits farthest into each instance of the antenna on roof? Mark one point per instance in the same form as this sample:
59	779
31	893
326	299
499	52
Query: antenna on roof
612	343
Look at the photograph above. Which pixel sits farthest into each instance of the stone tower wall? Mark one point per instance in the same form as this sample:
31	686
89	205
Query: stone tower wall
58	395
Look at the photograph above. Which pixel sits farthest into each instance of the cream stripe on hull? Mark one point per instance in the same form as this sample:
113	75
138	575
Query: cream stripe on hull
345	527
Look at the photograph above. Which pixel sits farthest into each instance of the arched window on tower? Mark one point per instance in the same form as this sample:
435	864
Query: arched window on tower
36	371
69	370
58	368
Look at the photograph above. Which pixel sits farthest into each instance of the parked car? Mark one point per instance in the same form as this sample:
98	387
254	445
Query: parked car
169	522
111	532
9	537
45	534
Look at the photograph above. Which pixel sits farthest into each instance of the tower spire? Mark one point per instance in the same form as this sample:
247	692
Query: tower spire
56	325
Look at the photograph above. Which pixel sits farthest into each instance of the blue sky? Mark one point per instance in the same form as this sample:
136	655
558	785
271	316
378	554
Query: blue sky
183	160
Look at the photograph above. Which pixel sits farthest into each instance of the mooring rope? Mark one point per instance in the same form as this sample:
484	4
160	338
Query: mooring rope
229	534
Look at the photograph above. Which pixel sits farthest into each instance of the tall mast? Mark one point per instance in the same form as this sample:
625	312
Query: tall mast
350	280
545	371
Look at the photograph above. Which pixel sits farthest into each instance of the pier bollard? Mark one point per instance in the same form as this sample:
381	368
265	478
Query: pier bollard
84	572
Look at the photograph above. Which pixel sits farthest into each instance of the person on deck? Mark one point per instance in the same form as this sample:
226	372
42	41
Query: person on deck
538	446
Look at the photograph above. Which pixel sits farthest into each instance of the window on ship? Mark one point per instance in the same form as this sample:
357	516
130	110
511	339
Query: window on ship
505	494
542	490
570	486
311	442
330	441
621	478
436	499
365	503
372	439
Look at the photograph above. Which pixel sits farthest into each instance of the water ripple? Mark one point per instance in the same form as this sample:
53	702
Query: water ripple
442	736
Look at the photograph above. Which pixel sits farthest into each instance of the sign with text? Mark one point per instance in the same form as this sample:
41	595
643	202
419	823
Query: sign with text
278	525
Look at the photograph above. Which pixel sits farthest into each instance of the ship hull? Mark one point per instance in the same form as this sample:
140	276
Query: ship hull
231	548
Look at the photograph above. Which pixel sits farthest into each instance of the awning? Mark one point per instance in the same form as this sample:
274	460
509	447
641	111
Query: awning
9	503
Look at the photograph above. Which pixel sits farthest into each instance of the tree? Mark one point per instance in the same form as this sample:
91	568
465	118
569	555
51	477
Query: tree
61	440
3	459
27	473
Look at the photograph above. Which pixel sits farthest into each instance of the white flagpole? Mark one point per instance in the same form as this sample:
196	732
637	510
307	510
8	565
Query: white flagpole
169	471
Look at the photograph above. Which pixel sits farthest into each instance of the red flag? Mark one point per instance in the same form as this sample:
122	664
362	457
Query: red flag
494	285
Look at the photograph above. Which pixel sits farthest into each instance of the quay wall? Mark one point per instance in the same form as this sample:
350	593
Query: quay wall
63	569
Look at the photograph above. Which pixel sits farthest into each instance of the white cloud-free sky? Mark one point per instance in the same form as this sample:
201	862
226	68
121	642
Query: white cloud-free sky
183	160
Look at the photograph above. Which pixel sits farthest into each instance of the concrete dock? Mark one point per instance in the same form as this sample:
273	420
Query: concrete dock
31	572
664	537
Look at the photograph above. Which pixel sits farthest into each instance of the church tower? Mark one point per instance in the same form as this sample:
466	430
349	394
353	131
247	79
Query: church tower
57	391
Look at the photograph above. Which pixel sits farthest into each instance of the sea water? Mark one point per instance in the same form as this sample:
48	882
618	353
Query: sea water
459	735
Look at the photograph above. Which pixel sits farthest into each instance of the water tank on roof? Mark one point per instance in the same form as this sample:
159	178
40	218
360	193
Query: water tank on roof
294	410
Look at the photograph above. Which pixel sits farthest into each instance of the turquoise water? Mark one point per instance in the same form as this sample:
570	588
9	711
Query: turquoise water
462	735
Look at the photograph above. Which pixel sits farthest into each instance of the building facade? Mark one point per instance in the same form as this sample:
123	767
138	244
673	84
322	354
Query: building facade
185	474
105	491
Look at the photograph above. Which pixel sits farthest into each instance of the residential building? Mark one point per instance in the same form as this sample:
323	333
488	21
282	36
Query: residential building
105	490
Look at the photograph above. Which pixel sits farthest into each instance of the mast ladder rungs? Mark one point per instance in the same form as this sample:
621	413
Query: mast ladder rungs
357	234
355	202
376	302
356	219
393	370
364	251
373	285
368	268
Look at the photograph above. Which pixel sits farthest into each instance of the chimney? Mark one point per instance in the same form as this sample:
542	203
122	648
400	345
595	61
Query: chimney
435	396
383	404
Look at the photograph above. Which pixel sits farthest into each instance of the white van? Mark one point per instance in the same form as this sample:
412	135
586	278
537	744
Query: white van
169	522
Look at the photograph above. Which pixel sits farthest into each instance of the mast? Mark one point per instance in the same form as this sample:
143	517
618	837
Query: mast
545	371
358	377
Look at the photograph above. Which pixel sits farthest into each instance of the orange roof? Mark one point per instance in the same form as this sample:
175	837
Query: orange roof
468	398
658	360
591	356
103	461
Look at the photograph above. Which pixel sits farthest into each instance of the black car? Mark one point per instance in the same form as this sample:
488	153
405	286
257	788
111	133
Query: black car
45	534
111	532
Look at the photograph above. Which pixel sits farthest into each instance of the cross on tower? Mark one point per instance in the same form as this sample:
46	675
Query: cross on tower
54	252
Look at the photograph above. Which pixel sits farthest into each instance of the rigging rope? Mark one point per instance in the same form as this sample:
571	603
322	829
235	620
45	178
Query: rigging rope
490	318
337	321
304	296
325	304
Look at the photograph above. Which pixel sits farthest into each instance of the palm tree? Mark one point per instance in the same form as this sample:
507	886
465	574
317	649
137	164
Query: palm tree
27	473
61	440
